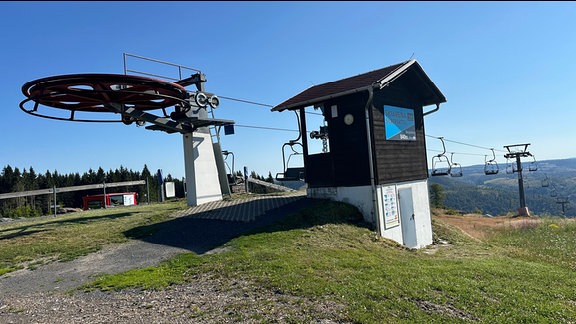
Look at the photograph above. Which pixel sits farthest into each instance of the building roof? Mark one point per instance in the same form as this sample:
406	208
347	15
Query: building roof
377	79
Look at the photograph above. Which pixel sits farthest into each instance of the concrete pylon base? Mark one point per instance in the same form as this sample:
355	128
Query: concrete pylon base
523	211
202	183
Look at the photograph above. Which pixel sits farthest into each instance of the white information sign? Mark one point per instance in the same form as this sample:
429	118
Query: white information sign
128	200
390	207
170	189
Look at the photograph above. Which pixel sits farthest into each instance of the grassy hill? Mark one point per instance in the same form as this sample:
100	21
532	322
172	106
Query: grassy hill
494	270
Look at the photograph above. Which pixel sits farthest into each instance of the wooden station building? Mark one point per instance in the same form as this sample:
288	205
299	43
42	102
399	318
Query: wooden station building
374	153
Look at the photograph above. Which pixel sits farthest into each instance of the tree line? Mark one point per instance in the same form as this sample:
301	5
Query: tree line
12	179
16	180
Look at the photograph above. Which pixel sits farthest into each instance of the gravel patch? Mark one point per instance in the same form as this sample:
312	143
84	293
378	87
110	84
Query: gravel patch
205	300
63	276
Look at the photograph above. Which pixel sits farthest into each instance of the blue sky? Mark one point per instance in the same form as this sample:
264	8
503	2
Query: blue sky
507	70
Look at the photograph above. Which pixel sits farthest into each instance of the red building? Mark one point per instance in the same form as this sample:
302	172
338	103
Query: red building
110	200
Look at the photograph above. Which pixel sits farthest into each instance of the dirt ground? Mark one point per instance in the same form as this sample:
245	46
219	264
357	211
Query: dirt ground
478	226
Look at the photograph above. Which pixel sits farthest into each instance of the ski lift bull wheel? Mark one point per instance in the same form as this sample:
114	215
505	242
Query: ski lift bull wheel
98	93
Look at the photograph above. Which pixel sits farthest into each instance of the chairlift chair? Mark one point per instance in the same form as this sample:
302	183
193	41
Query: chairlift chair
490	166
510	167
232	179
545	181
553	192
533	165
455	168
440	164
291	173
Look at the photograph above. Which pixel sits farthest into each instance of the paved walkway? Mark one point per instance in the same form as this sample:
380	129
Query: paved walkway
240	210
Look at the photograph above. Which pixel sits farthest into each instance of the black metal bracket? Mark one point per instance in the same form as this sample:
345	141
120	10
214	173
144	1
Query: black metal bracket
196	79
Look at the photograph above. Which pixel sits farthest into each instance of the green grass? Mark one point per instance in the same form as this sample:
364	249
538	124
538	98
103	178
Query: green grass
66	237
380	281
325	252
173	271
553	241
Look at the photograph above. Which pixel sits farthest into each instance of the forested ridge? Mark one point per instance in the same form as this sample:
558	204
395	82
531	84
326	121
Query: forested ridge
553	181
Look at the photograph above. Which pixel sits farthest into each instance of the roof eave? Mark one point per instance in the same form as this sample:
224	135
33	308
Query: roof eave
395	74
440	98
314	101
377	85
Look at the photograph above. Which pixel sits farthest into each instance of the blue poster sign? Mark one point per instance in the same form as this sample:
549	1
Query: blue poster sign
160	178
399	124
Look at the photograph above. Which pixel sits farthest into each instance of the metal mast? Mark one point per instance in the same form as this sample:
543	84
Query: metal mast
519	151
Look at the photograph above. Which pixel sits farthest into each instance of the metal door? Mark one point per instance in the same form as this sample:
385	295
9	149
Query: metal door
408	223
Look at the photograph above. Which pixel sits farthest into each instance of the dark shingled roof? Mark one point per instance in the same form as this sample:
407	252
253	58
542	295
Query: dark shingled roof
378	79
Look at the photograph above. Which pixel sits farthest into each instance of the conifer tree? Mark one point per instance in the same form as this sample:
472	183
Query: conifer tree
437	196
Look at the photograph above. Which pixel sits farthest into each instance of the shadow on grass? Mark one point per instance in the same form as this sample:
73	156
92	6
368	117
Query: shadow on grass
25	230
203	235
21	232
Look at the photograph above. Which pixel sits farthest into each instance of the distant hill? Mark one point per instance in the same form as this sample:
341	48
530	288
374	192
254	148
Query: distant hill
553	181
498	194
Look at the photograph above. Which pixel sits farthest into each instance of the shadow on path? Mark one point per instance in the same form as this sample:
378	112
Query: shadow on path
200	235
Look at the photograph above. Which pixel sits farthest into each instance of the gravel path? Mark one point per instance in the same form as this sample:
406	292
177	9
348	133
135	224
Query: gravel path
43	295
63	276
